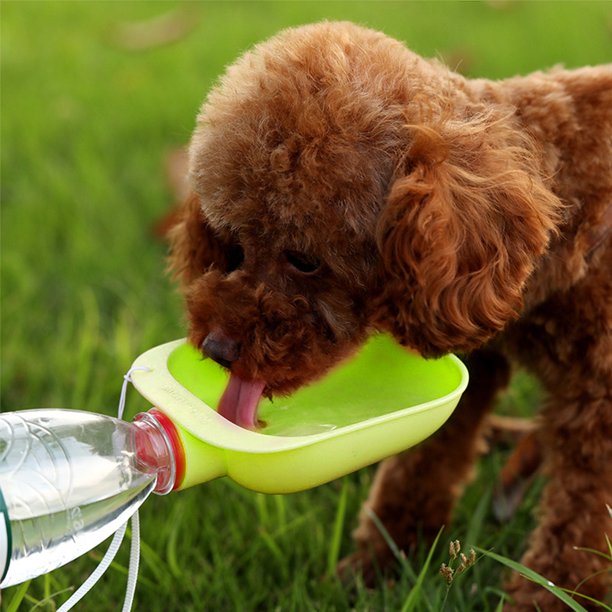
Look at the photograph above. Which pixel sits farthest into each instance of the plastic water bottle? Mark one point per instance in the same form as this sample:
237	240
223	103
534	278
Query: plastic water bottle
69	479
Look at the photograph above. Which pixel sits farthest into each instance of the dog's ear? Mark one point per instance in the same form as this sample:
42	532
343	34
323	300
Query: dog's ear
194	247
460	232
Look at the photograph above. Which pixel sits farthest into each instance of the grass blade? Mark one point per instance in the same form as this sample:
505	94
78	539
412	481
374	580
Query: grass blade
415	592
477	520
537	578
172	551
18	597
275	550
596	552
333	552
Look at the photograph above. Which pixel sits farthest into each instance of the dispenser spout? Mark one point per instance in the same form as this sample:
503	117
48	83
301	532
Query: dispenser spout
159	449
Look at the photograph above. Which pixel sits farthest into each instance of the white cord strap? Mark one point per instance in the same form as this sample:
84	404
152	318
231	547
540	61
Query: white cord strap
133	565
116	541
126	380
98	572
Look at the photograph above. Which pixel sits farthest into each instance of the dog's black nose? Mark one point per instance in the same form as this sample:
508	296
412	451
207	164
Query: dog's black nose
221	348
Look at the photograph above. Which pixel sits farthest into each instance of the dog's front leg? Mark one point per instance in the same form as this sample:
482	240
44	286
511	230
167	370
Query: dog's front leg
414	493
574	510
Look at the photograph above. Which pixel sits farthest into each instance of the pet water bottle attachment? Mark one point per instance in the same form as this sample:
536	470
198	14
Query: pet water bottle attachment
69	479
379	403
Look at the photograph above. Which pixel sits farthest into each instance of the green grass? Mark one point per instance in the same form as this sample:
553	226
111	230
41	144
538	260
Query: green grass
86	124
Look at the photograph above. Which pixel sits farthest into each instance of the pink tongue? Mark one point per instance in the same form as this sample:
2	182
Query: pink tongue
239	401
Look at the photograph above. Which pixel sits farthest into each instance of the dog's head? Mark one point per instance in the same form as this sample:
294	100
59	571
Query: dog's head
339	188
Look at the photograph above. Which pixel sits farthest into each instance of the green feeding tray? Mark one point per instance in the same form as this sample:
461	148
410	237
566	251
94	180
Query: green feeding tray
381	402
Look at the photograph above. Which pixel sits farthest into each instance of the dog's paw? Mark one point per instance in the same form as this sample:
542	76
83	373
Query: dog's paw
367	566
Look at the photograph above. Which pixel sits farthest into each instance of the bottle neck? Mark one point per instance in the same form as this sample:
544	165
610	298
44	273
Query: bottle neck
159	449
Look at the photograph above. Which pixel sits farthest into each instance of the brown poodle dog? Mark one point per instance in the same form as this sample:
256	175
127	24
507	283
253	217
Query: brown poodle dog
344	186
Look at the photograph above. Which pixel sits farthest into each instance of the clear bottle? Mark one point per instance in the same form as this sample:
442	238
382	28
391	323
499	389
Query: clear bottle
69	479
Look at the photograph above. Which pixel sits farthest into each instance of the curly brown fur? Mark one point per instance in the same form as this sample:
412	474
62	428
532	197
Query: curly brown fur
343	186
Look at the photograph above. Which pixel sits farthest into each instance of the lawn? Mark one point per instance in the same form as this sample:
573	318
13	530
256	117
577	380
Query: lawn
94	96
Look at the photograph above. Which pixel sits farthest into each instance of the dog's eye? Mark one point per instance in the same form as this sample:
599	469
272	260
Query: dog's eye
234	256
301	262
